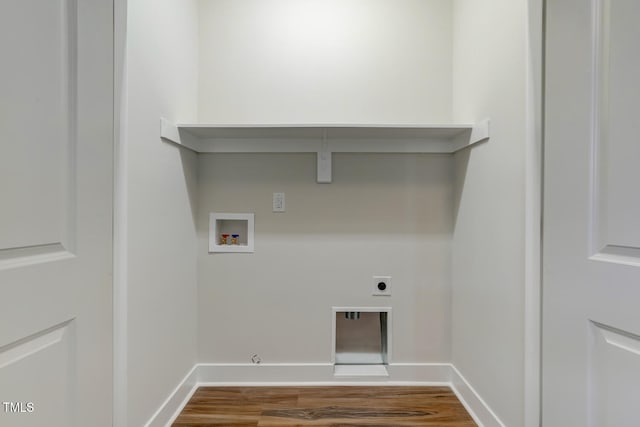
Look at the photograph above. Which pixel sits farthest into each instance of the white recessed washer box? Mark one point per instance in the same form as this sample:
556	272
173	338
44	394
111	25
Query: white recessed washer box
238	224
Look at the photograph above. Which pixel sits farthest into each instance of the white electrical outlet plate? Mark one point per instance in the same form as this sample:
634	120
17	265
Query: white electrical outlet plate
278	202
381	285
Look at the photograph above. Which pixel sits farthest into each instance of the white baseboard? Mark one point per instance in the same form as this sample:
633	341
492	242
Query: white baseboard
318	374
310	374
473	403
174	404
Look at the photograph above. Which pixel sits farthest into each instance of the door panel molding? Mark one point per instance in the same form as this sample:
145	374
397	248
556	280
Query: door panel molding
28	346
614	371
613	212
30	369
70	243
600	42
35	232
30	255
618	338
618	255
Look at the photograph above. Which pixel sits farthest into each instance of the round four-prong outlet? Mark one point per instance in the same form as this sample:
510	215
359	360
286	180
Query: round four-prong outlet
381	285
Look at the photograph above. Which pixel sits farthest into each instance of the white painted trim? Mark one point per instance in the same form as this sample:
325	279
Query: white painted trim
310	374
427	374
120	309
481	413
533	214
264	373
320	374
177	400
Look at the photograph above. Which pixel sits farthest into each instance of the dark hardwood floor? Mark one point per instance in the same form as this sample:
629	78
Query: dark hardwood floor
341	406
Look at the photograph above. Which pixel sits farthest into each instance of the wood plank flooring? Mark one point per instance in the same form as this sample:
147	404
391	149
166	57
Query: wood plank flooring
341	406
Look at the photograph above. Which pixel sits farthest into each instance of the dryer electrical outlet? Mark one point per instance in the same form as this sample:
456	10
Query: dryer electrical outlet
381	285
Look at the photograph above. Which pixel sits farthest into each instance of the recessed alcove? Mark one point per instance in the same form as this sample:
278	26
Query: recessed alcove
253	110
361	341
231	232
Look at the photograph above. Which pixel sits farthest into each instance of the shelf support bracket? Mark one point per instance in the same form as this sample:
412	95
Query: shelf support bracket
480	132
170	132
324	161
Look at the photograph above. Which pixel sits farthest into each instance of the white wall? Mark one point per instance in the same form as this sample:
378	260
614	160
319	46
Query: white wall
382	215
454	245
488	245
161	239
315	61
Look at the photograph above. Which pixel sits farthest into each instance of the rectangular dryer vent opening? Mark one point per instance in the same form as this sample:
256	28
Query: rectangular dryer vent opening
361	341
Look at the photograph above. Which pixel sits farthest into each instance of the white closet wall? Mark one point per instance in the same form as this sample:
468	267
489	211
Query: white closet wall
161	240
384	214
490	54
325	61
312	61
448	229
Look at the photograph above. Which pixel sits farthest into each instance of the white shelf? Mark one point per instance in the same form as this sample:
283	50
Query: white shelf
339	138
325	139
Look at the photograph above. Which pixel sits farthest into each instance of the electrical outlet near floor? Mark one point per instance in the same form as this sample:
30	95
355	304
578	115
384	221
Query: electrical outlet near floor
381	285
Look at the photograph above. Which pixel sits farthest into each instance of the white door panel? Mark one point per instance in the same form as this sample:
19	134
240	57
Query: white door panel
616	154
56	143
36	113
591	257
615	375
33	367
